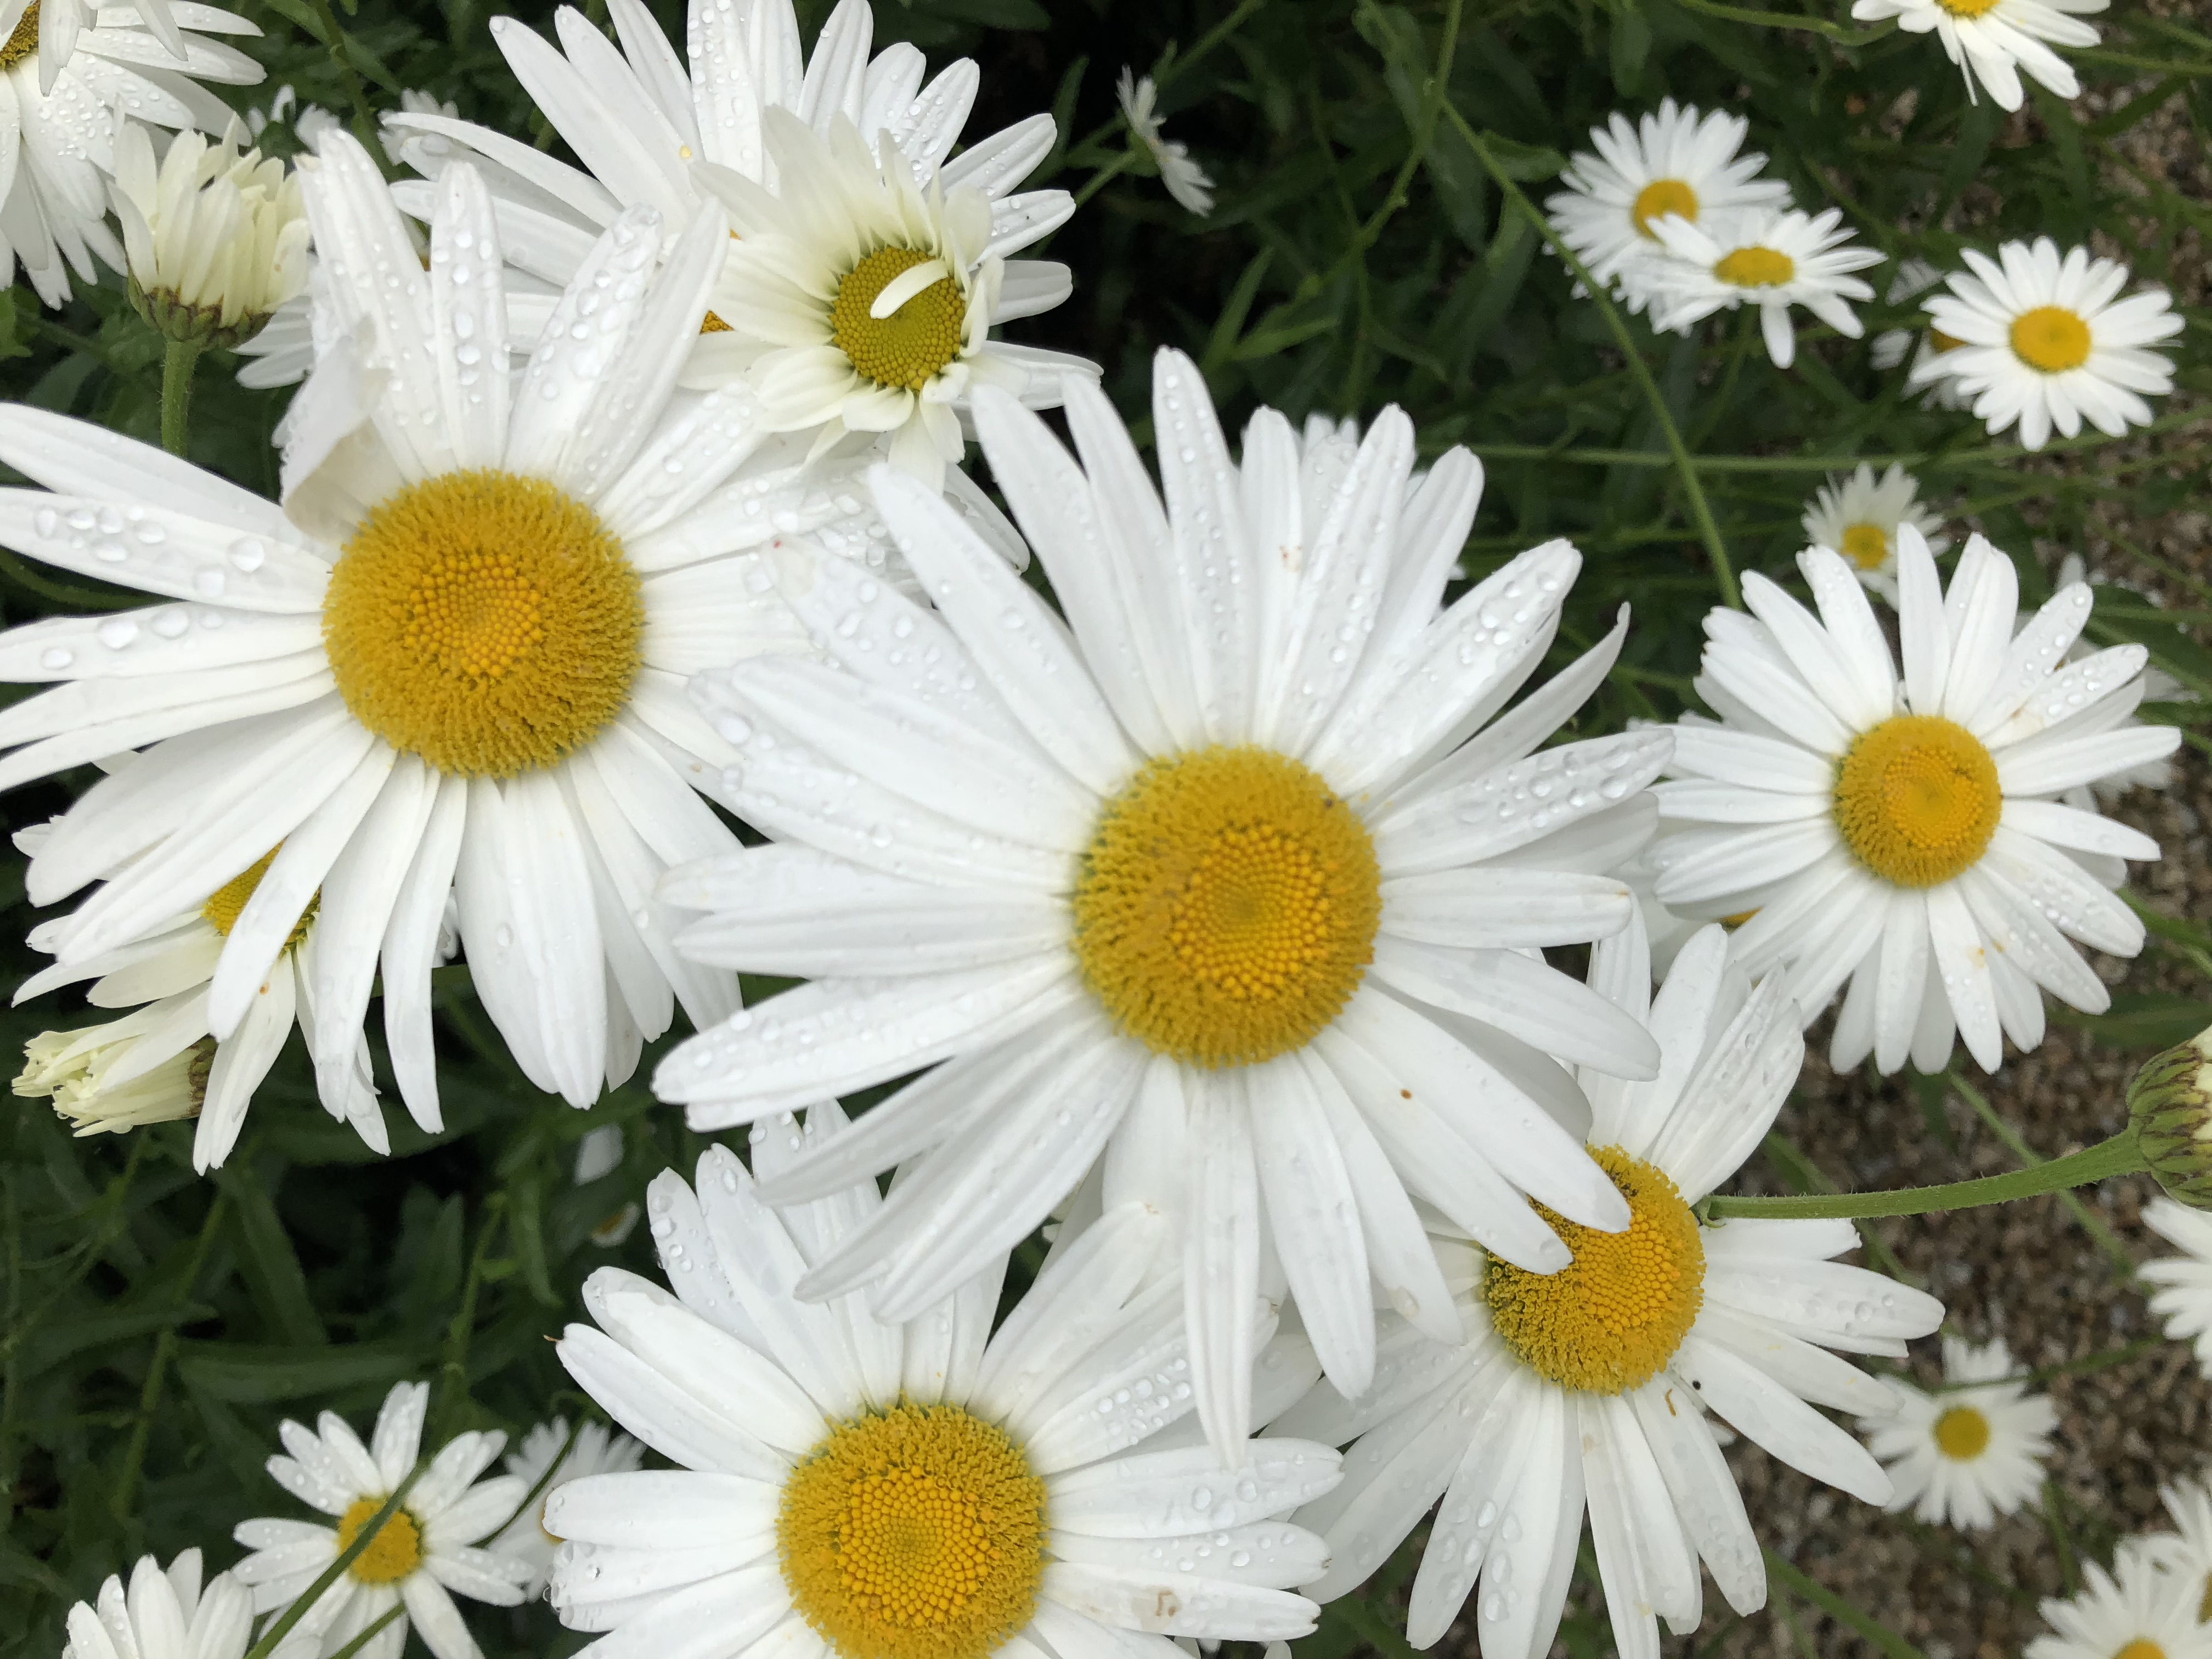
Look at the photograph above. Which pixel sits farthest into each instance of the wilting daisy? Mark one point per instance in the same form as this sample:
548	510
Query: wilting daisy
421	1552
1992	40
1893	345
547	1448
1905	833
455	660
1971	1453
928	1490
2187	1550
1676	162
1220	878
2183	1299
57	140
1858	517
1770	257
1587	1390
1186	180
2043	342
2134	1612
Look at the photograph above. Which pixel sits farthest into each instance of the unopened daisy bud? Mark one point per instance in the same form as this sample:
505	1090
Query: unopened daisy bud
77	1071
2170	1103
216	239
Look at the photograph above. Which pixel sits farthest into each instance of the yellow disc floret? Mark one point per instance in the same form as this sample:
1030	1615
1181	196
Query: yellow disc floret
2142	1647
1611	1319
2051	339
393	1554
1756	267
1962	1434
1659	198
1969	8
916	1533
908	347
222	910
486	622
1865	545
1227	906
23	40
1918	799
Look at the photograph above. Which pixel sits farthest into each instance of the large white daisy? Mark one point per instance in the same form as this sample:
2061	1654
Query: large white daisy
454	659
1770	257
1231	877
923	1490
1992	40
1973	1451
1905	832
1588	1389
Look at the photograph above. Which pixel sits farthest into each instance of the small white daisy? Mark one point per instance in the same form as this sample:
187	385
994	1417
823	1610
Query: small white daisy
1770	257
1858	518
2183	1299
1186	180
2134	1612
2187	1550
597	1451
1992	40
1674	161
1904	832
1892	346
1969	1453
169	1615
2043	342
1587	1390
420	1554
850	1489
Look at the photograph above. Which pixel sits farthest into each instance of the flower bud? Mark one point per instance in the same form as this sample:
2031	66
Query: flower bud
89	1076
2170	1104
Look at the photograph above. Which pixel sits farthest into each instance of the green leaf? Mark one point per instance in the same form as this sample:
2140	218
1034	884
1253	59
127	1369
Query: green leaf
269	1264
257	1374
2141	1021
1631	45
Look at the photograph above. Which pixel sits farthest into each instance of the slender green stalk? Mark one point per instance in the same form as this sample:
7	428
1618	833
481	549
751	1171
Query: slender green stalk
182	357
454	1372
157	1373
1106	175
2117	1156
369	1635
364	113
2114	1250
281	1626
1809	1590
2062	1541
537	1493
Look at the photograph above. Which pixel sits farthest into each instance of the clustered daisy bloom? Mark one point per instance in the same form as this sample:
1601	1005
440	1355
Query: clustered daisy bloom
1974	1451
1859	517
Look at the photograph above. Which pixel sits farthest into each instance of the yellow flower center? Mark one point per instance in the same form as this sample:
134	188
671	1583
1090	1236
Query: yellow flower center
2051	339
1226	906
1611	1319
710	324
1659	198
1916	799
23	40
2141	1647
487	623
1755	267
913	1534
393	1554
1865	545
909	347
222	909
1939	342
1969	8
1962	1434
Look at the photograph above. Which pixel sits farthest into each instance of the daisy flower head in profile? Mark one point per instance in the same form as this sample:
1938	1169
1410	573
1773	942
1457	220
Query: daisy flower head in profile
1971	1452
169	1615
59	118
1908	833
2134	1611
1586	1391
1232	878
454	659
1770	257
1186	180
2184	1297
550	1457
1991	41
1858	517
930	1489
417	1560
1673	160
2046	341
1890	348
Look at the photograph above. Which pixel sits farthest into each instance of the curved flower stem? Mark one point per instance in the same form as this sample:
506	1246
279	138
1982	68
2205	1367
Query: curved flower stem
177	366
2117	1156
281	1626
362	1640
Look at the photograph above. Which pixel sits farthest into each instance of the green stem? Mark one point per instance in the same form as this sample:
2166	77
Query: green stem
2114	1250
1700	510
177	366
537	1492
1808	1590
364	115
2117	1156
281	1626
453	1372
363	1639
157	1373
1106	175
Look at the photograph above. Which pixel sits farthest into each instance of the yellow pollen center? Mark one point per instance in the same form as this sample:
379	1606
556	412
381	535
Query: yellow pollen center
1969	8
1659	198
710	324
486	622
1226	906
1612	1318
1939	342
221	910
1755	267
2051	339
2141	1647
1962	1434
909	347
1865	545
393	1554
916	1533
1916	799
23	40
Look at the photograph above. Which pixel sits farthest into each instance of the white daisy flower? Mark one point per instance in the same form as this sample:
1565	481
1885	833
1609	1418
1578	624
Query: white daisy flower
596	1451
58	139
1676	162
1186	180
414	1559
1992	40
168	1615
1858	518
1905	833
1588	1389
2184	1299
2043	344
454	659
1893	345
2133	1612
1768	258
2187	1550
928	1490
1971	1452
854	301
1224	878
